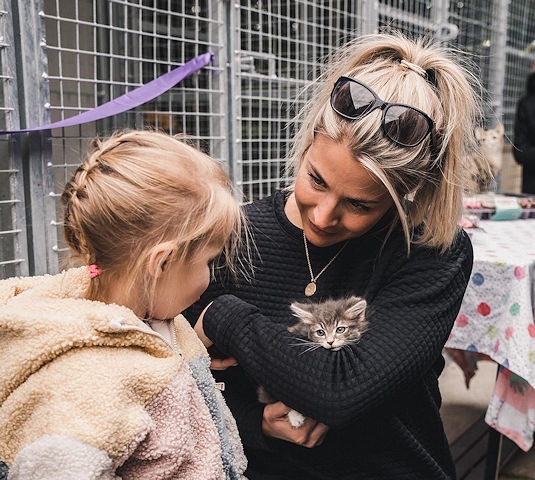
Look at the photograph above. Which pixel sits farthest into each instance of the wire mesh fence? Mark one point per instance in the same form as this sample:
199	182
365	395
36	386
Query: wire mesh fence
69	57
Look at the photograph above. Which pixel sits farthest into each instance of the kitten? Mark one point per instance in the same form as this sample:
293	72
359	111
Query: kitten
486	164
332	324
491	142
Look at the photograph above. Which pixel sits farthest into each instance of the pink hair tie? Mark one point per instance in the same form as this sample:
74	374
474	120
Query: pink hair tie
94	271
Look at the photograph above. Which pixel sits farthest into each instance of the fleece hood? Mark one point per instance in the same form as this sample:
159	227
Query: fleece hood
37	325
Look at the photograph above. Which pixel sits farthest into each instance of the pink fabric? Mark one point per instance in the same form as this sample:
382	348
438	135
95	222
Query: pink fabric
512	408
179	412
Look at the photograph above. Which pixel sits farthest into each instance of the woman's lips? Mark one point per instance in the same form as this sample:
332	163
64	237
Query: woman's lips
319	231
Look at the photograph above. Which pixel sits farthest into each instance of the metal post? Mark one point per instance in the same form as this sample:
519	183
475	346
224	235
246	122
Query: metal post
35	147
369	16
16	262
498	60
233	88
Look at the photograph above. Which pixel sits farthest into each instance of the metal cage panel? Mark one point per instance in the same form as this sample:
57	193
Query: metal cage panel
69	57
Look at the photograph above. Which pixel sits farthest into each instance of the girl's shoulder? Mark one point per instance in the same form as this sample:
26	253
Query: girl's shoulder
188	343
69	283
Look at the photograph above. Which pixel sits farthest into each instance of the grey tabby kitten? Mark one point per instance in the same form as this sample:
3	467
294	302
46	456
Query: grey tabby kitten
331	324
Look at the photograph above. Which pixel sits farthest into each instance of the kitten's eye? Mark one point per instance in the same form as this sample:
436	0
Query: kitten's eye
340	329
320	333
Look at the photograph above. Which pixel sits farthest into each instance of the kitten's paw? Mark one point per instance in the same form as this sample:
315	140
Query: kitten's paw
296	419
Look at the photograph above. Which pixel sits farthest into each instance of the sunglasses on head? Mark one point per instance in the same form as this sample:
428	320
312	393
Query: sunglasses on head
402	124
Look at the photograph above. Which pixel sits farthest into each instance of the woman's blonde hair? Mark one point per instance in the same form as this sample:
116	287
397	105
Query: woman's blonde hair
138	189
431	175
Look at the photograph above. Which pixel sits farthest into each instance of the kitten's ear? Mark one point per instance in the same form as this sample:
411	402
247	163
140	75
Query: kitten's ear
355	306
300	310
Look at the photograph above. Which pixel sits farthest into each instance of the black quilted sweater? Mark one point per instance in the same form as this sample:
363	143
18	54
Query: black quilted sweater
380	398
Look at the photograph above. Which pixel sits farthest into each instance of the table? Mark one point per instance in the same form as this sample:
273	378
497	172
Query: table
496	319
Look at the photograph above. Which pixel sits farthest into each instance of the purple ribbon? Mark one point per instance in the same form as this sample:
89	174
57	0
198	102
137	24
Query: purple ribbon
132	99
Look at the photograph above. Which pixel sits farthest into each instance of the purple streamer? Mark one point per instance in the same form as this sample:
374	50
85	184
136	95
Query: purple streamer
129	100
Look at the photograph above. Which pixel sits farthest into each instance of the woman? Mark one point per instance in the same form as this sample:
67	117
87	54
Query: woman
373	212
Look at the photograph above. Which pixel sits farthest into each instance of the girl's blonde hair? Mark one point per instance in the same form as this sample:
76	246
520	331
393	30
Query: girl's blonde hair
431	175
138	189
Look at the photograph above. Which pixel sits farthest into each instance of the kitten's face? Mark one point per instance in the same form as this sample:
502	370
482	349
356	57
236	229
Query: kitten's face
333	335
492	138
331	324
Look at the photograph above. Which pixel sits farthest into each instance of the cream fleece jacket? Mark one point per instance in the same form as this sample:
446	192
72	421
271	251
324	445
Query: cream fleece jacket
87	390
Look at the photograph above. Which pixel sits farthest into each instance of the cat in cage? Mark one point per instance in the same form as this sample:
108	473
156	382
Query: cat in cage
332	324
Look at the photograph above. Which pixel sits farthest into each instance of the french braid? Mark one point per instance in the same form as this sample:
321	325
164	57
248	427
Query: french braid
138	189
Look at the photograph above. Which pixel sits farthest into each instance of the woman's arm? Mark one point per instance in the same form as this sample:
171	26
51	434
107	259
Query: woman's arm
410	319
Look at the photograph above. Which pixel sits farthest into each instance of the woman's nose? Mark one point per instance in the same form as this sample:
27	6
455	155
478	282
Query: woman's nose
325	215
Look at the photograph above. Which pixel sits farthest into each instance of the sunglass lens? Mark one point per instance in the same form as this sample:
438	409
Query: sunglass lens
405	126
351	100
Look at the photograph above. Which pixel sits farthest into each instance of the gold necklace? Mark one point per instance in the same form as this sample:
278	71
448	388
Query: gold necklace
310	289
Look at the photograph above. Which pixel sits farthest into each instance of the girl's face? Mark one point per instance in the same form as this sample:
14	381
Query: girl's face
335	197
181	284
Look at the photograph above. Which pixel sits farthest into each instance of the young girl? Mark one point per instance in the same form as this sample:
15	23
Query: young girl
101	376
379	168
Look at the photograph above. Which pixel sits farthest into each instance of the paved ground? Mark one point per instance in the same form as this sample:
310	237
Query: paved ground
520	467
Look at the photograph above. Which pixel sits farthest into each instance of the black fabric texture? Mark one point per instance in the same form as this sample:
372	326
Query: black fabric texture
380	397
524	136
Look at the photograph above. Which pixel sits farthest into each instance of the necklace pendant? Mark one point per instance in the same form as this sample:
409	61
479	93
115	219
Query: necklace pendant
310	289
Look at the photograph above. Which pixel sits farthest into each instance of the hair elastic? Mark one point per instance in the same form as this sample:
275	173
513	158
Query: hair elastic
415	68
94	271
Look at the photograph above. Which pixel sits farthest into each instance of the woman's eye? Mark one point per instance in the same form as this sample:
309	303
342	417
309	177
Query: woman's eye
317	181
356	205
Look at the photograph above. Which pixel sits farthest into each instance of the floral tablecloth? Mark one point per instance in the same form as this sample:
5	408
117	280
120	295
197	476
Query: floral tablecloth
497	319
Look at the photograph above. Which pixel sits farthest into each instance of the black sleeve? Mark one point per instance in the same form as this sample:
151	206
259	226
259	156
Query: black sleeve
240	395
239	389
524	146
410	319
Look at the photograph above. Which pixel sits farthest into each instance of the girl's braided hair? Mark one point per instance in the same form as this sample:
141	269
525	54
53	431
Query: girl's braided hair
137	189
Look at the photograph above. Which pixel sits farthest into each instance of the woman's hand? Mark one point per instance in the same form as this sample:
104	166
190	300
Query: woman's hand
222	363
275	424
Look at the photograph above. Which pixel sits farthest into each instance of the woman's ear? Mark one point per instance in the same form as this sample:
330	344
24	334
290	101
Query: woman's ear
159	257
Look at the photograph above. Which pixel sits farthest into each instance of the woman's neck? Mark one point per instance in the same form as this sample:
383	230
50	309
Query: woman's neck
291	210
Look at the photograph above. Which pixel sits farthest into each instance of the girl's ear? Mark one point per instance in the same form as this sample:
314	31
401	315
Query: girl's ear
159	256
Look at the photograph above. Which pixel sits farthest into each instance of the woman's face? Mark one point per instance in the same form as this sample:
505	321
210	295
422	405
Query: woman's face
335	197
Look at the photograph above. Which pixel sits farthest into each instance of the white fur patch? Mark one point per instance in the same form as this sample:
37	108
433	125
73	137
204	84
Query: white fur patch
296	419
62	458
